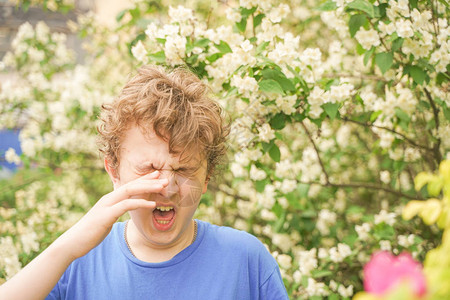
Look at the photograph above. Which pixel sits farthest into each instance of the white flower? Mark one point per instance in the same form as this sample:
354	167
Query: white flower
325	220
297	276
385	176
345	292
237	170
151	31
343	135
139	52
284	260
386	29
363	231
180	14
412	154
245	85
288	185
307	261
283	241
323	253
406	241
316	288
268	215
384	216
404	28
12	157
175	49
266	133
368	38
233	15
29	242
385	245
339	253
333	285
286	104
276	14
311	56
42	32
257	174
246	46
284	169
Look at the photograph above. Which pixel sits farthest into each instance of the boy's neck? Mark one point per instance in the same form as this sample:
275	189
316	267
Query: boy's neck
145	251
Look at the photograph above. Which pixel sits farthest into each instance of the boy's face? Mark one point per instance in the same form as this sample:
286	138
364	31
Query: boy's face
141	154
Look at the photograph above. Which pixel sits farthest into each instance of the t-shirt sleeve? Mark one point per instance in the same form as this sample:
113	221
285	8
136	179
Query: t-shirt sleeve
273	288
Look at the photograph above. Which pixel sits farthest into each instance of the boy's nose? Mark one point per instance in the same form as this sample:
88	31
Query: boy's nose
172	187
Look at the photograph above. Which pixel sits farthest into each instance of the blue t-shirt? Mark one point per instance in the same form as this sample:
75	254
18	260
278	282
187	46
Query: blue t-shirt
223	263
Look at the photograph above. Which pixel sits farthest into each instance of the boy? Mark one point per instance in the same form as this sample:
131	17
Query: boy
161	140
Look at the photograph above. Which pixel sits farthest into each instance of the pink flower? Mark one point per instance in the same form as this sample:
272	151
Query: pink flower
384	271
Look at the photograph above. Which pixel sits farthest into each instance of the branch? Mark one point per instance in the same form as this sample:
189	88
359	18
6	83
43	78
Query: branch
390	130
317	152
366	186
436	147
358	76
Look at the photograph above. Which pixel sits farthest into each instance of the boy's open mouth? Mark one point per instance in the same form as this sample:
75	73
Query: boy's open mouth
163	216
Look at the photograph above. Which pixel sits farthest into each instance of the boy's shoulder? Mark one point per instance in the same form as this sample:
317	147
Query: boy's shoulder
233	239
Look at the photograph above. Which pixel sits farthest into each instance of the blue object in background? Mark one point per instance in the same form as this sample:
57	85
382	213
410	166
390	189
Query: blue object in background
9	139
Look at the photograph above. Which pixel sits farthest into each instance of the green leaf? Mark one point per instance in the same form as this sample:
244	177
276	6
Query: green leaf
270	86
331	109
257	20
413	3
279	77
274	153
384	61
447	113
375	115
189	46
355	22
159	57
402	115
333	297
397	44
245	12
327	6
223	47
242	25
266	146
260	185
321	273
261	47
383	231
120	15
380	10
160	40
212	58
362	5
202	43
417	74
278	121
368	55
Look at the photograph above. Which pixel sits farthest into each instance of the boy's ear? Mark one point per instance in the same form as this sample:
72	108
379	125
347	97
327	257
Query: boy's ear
205	186
112	173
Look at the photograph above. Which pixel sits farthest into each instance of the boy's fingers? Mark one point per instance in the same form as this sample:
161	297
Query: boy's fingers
130	204
151	175
137	188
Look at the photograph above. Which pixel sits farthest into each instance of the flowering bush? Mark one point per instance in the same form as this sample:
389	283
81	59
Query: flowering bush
328	130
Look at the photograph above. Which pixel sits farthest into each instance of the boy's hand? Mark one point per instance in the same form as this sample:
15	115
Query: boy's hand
90	230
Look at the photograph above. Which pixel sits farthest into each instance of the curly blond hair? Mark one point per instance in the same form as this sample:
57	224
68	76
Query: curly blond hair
176	105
